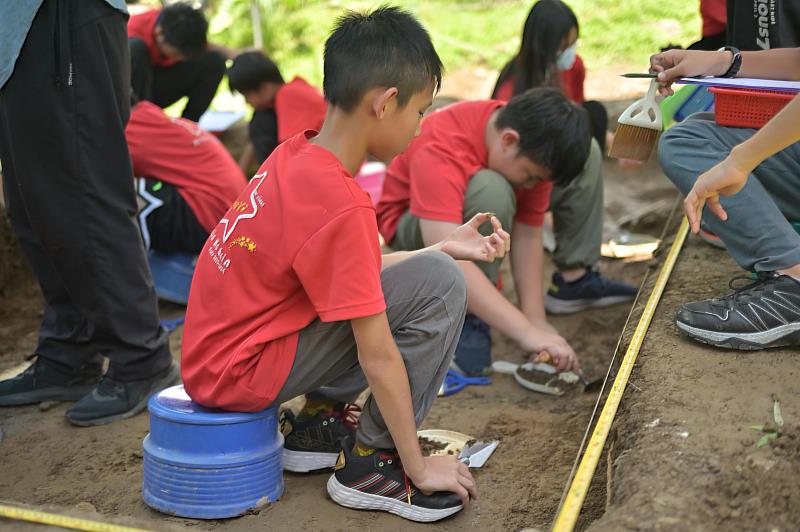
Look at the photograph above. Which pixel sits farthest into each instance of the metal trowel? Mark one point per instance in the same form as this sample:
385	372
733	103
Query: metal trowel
476	453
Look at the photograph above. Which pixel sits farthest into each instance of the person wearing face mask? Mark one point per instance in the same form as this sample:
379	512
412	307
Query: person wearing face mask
548	58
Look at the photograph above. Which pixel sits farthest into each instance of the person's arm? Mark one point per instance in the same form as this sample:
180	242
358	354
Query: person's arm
780	63
486	302
463	242
730	175
386	375
527	265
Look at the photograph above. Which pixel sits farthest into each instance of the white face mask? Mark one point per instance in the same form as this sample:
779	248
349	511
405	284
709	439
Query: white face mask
567	58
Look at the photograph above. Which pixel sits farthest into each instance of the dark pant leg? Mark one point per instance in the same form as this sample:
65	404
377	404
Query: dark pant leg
141	69
167	222
64	330
598	119
72	177
198	79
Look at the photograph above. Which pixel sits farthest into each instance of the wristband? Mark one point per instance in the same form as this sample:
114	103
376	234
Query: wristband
736	64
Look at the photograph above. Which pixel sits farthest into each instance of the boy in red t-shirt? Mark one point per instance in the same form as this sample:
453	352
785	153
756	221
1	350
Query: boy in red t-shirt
504	158
171	58
291	295
186	179
281	110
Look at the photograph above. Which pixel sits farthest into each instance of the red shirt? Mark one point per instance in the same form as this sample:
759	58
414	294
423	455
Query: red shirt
571	83
301	242
715	16
178	152
430	178
298	106
142	26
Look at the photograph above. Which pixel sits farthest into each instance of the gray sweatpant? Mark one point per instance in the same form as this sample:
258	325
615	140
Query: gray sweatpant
426	299
577	215
757	233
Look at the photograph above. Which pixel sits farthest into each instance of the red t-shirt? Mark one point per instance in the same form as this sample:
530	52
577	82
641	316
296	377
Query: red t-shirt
298	106
571	83
715	16
142	26
431	177
178	152
301	242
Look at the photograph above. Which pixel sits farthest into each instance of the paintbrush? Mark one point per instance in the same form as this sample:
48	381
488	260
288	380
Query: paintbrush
638	128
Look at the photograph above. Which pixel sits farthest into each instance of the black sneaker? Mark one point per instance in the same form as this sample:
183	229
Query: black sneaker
45	381
590	291
112	400
313	443
378	482
764	313
473	356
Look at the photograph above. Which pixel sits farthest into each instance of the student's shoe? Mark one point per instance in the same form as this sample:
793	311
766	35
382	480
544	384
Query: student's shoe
378	482
112	400
473	356
45	381
313	442
590	291
765	313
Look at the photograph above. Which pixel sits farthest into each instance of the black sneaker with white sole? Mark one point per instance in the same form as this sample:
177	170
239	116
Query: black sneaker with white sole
764	313
590	291
112	400
47	381
313	442
378	482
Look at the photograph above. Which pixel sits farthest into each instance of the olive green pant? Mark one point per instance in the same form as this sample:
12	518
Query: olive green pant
577	215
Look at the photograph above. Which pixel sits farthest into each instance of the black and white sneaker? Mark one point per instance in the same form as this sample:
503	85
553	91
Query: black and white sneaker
764	313
378	482
313	443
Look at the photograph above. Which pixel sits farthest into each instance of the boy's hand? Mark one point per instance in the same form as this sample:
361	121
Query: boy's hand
561	353
445	473
726	178
676	64
466	243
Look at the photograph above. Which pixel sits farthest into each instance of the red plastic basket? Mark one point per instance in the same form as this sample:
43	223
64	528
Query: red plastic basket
747	107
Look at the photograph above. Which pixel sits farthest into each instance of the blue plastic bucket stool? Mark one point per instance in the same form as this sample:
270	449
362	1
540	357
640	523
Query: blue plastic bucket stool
210	464
172	275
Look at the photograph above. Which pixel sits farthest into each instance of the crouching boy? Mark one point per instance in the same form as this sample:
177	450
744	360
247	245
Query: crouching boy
292	296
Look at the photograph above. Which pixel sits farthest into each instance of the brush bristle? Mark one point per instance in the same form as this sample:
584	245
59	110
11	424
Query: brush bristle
633	142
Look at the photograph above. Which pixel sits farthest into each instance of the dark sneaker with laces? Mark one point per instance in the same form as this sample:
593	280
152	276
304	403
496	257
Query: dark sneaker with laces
378	482
590	291
473	356
45	381
764	313
113	400
313	442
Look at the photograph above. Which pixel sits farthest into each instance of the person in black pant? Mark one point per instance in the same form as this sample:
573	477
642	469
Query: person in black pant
69	193
171	58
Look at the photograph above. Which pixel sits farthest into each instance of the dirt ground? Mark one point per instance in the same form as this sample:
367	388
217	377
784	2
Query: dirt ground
685	457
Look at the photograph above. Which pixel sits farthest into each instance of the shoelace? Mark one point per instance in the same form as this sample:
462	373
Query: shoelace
349	415
109	386
752	288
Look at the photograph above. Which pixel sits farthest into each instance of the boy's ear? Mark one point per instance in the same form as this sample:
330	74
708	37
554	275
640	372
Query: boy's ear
509	138
383	100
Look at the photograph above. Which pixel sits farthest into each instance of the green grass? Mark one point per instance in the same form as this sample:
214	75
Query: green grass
467	33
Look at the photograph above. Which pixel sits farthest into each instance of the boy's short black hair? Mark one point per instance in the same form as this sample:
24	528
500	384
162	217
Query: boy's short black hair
185	28
553	131
250	70
385	48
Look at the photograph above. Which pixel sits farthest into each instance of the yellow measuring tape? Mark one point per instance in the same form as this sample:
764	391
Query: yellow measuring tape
568	516
76	523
